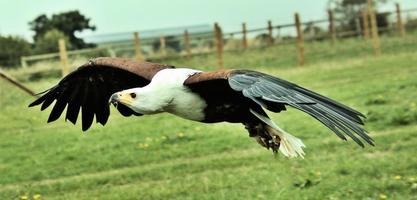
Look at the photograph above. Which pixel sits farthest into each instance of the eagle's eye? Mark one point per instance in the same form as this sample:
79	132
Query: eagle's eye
133	95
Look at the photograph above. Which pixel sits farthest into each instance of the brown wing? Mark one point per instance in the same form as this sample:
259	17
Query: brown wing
208	76
211	85
90	86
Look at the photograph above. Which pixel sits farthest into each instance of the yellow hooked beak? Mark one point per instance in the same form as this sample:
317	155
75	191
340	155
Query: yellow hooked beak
125	98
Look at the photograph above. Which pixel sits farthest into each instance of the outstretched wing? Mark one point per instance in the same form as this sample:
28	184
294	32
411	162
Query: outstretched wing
90	86
274	93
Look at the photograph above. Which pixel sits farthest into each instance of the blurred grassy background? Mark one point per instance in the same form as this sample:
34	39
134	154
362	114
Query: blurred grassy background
165	157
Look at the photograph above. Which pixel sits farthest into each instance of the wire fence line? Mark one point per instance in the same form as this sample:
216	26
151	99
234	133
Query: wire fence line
187	45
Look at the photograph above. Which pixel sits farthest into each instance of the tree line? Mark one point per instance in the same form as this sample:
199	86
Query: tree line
48	30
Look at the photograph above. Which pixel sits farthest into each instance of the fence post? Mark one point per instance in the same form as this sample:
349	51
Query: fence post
270	36
162	46
138	51
300	42
23	62
332	30
374	29
358	27
365	22
219	44
111	52
63	57
187	44
244	39
400	25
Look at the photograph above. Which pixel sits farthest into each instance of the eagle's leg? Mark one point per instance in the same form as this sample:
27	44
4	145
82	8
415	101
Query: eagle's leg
259	132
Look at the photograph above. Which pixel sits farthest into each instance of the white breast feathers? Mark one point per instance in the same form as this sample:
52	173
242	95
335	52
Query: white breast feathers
168	86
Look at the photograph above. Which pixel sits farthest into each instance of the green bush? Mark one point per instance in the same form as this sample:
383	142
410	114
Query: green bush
48	43
11	49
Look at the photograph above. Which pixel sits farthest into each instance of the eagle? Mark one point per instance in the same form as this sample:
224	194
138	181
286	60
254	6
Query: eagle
232	95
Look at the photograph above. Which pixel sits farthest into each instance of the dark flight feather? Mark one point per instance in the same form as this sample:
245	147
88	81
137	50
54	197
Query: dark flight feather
87	114
90	86
59	106
74	103
49	99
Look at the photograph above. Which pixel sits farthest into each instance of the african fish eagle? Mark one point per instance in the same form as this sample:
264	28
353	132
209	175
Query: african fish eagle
236	96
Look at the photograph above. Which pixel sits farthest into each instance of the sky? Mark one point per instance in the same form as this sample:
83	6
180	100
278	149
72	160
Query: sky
136	15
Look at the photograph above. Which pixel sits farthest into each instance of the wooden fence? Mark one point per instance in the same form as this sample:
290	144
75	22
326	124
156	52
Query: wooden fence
368	29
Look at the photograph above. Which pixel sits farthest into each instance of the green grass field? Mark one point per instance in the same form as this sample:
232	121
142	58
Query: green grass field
165	157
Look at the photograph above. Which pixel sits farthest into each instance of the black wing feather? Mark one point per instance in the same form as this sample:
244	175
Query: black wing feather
101	109
88	89
73	110
87	114
49	99
266	90
74	104
59	106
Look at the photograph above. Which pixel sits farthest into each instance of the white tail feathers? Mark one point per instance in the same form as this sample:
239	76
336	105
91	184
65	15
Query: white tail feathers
290	146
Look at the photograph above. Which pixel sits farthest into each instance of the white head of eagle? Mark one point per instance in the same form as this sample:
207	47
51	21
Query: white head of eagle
165	93
236	96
